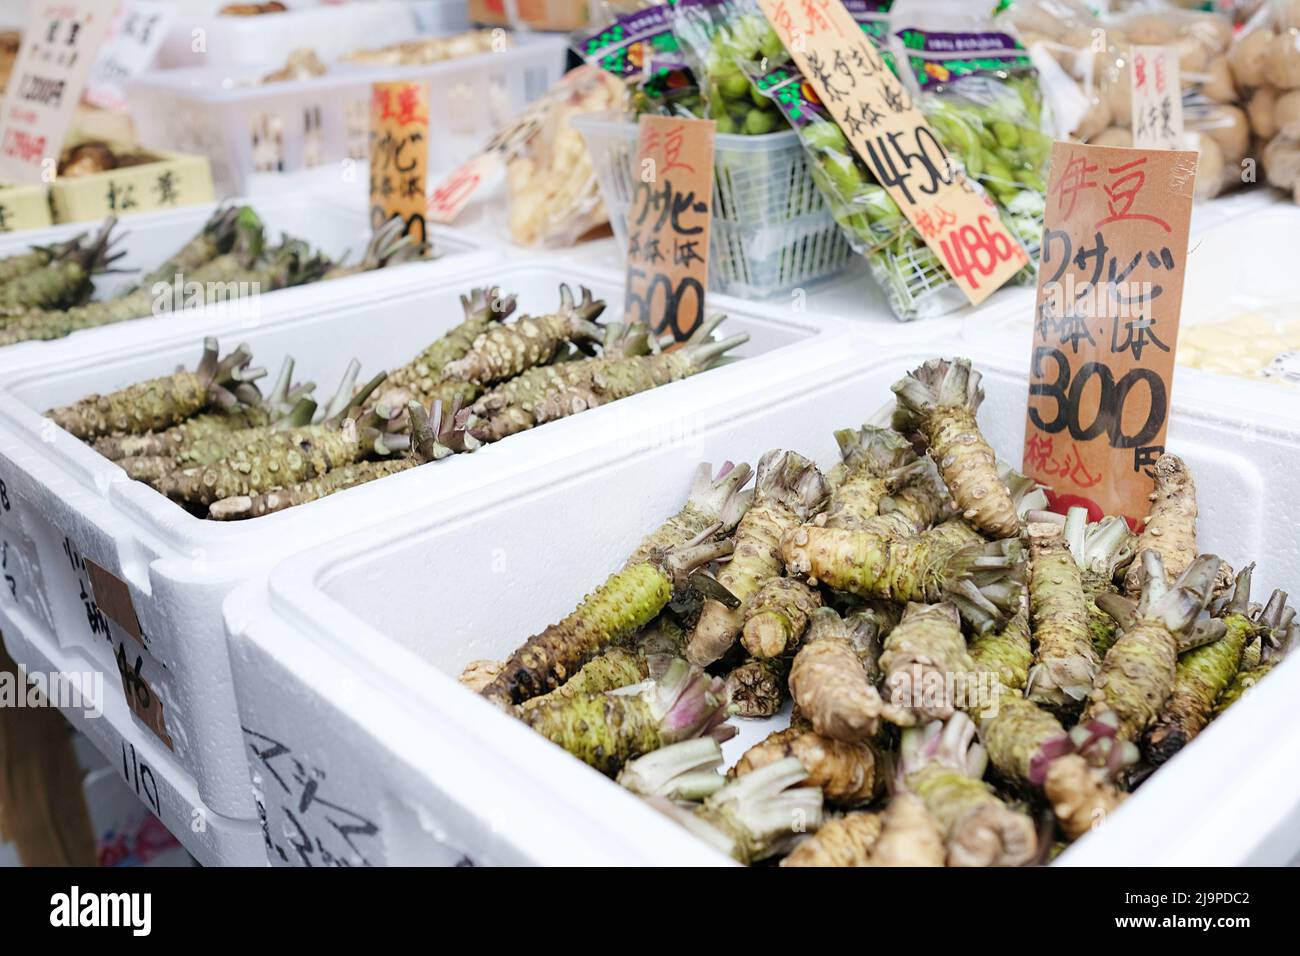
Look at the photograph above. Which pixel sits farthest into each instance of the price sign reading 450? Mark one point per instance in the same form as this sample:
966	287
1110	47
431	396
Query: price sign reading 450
1110	288
668	225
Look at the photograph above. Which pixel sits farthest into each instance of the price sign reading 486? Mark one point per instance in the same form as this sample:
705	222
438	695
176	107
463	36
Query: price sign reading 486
1110	288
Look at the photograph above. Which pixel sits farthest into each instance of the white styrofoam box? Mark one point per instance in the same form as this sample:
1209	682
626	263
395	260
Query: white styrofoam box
246	128
151	772
202	37
69	505
348	656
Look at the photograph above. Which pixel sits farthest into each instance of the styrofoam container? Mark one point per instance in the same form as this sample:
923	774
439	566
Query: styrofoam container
348	657
69	505
771	228
202	37
250	130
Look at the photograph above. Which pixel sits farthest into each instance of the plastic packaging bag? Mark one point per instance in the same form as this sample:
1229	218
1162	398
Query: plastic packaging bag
640	48
1265	63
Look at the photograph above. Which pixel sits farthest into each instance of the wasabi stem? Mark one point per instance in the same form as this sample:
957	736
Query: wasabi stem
161	402
1065	662
829	681
1099	549
1170	528
940	400
923	501
712	501
849	774
874	463
789	489
216	238
688	770
387	247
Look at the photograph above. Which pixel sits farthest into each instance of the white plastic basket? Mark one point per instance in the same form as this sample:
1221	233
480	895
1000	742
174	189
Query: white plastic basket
349	657
69	505
251	132
772	230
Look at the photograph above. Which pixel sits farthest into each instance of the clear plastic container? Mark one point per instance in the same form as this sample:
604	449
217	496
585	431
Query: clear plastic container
772	230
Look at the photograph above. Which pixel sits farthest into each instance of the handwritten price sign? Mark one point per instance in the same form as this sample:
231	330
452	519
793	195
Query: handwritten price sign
668	225
1157	98
1110	289
891	136
399	155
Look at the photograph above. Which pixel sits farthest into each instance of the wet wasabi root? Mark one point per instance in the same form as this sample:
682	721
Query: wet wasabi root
1277	623
1170	528
504	351
776	616
940	399
1137	676
628	601
928	672
789	489
757	816
874	463
160	403
941	764
843	841
1007	653
712	502
829	681
757	687
607	730
1065	662
849	774
688	770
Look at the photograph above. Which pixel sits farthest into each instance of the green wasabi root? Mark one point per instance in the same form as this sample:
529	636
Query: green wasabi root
789	490
607	730
1065	662
712	501
628	601
1276	620
940	399
387	247
757	687
1007	653
874	463
831	677
160	403
217	237
37	257
688	770
63	282
614	668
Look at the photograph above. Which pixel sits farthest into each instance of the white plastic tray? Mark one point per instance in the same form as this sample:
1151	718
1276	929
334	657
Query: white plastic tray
179	569
349	656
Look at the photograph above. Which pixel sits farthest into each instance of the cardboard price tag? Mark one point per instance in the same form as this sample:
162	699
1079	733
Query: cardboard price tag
451	195
1110	289
1157	98
668	225
891	136
113	597
57	53
135	35
399	155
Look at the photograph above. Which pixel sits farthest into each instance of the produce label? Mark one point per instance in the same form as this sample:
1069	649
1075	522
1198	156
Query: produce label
942	57
668	225
451	195
134	36
1110	288
113	597
399	155
1157	98
57	53
891	136
638	43
141	697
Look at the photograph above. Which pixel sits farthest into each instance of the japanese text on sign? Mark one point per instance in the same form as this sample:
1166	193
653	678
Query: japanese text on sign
135	34
891	136
1110	289
1157	98
58	50
399	155
668	225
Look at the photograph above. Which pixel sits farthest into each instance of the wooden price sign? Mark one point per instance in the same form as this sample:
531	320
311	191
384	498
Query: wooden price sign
1157	98
399	155
58	50
668	225
891	136
1110	289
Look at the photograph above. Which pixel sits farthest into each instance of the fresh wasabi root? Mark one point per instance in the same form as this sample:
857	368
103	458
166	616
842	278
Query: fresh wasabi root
873	464
628	601
1276	620
1099	550
910	835
607	730
1201	676
712	501
928	672
614	668
923	501
1138	673
941	764
789	489
829	681
1170	528
1007	653
217	237
757	816
776	616
62	282
504	351
849	774
478	674
983	579
419	379
1065	662
757	687
37	257
842	841
160	403
682	771
387	247
940	400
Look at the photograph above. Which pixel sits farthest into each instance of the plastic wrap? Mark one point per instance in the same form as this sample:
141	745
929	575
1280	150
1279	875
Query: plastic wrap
1265	63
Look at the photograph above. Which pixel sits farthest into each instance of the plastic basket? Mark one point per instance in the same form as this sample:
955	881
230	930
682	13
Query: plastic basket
771	228
278	129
